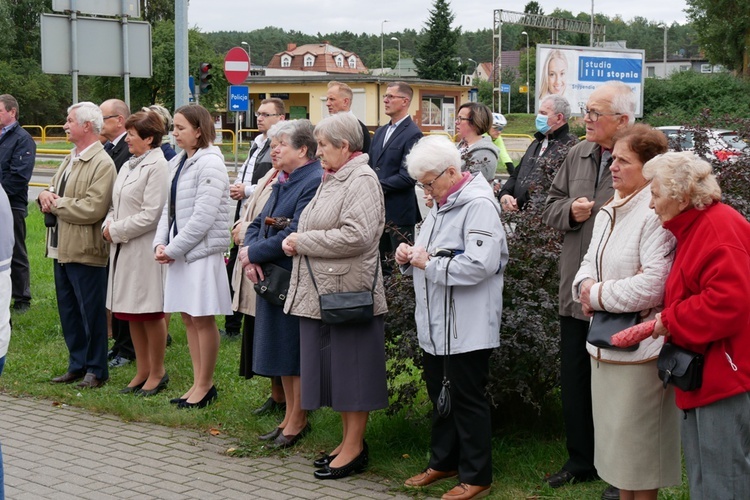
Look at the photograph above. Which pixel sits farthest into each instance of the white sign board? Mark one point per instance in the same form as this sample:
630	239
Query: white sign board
575	72
131	8
99	46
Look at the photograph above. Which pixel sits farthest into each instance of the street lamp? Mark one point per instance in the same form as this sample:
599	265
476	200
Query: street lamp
476	65
248	53
381	45
399	54
664	25
528	102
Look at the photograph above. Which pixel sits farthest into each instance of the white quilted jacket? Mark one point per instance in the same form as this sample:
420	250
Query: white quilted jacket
629	258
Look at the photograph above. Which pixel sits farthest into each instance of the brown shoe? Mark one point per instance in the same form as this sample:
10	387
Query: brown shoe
464	491
67	378
90	382
427	477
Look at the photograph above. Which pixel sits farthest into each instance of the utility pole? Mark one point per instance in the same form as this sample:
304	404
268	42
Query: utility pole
181	53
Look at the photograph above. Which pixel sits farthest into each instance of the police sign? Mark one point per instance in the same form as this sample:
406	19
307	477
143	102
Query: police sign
239	97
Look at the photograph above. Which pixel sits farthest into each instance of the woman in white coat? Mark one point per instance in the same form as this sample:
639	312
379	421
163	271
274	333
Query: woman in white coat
636	424
191	239
135	291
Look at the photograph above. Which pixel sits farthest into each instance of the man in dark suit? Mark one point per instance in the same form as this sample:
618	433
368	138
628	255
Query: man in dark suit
17	157
389	148
115	112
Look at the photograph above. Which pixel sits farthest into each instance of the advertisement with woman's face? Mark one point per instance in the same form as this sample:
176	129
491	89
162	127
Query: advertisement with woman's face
575	72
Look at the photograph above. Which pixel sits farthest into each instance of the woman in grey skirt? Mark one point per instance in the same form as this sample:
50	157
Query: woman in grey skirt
342	366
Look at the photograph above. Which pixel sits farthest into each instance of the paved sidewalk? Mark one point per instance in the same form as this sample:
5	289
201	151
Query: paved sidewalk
62	452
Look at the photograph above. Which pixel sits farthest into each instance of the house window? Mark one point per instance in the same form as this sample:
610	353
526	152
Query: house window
651	71
353	62
339	61
705	68
309	60
684	67
432	111
286	61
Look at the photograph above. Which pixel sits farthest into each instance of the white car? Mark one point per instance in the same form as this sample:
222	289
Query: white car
722	144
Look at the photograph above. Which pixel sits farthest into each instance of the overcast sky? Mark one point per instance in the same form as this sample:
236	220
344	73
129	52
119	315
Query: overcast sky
329	16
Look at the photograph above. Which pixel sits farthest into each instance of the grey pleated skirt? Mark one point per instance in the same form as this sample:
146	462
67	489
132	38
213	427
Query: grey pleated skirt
343	366
636	427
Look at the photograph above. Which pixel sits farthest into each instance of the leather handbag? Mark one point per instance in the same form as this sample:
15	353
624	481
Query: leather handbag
680	367
275	284
345	307
605	324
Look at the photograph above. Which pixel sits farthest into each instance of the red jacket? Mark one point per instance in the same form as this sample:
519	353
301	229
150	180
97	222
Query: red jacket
707	299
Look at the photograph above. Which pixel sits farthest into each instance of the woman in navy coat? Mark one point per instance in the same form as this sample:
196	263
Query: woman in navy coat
276	344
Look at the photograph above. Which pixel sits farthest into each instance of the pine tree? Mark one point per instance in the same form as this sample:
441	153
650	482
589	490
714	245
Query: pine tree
436	53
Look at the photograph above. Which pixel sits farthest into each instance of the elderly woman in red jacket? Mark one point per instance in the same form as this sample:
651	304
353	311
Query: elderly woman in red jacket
706	311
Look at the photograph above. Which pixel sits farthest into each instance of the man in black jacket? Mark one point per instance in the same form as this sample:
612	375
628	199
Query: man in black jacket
551	142
17	158
390	145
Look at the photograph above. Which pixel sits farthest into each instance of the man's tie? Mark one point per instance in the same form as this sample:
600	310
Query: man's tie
108	146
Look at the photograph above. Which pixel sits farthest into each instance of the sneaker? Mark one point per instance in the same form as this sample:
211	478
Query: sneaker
118	361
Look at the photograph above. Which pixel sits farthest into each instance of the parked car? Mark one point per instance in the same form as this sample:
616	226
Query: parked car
721	144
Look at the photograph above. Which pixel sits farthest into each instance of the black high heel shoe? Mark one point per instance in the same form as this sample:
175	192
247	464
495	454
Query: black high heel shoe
284	441
270	436
135	388
359	464
323	461
156	390
177	401
209	398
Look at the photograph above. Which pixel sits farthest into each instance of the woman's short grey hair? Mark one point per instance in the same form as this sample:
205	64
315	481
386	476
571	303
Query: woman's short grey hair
559	105
432	155
339	128
298	132
623	101
88	112
684	175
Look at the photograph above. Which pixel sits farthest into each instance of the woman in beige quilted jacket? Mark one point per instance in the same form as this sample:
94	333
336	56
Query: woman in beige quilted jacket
342	366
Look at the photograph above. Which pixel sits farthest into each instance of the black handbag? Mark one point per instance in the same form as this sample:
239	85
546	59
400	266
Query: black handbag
345	307
275	284
605	324
680	367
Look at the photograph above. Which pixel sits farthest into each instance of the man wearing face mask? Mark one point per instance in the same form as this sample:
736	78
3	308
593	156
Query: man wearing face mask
551	142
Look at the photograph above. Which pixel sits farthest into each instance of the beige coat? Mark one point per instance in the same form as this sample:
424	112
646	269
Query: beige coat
136	280
244	293
339	231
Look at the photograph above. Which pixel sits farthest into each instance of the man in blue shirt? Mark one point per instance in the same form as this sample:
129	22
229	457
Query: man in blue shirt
17	157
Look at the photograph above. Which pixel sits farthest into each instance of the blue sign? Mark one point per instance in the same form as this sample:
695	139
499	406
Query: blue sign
604	69
505	88
239	98
191	89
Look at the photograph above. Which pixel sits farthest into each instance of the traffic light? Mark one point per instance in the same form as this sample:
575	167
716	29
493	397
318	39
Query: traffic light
204	77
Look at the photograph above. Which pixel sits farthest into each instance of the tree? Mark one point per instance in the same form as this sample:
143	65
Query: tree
437	51
723	29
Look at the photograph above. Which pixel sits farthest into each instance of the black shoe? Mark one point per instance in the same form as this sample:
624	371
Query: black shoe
156	390
321	462
21	307
611	493
270	406
270	436
169	340
229	334
111	354
177	401
356	466
209	398
135	388
560	478
284	441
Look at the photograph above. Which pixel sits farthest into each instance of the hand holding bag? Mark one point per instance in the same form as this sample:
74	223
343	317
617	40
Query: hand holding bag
345	307
680	367
605	324
274	286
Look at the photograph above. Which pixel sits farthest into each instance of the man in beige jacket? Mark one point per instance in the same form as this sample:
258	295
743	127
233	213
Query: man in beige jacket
75	205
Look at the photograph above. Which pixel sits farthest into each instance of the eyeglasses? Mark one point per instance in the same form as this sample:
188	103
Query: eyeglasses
266	115
428	185
594	115
460	119
389	97
109	116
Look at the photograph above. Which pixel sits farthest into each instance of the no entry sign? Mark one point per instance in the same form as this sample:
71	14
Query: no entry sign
236	65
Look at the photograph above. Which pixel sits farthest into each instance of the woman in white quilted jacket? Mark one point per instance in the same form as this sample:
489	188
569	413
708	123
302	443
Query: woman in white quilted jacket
636	426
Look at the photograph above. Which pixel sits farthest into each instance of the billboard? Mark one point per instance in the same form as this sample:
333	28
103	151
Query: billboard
575	72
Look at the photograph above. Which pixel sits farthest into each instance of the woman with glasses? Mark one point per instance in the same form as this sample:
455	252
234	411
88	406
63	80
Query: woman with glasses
458	259
478	152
